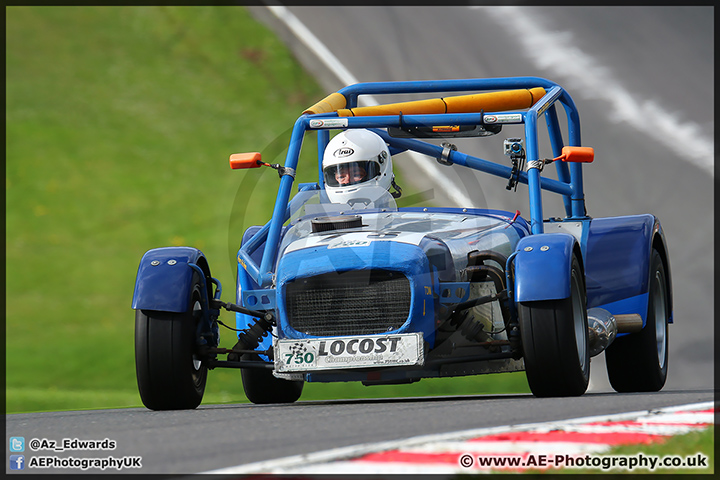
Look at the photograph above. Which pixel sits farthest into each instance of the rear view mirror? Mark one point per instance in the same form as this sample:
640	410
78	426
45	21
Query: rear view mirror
245	160
577	154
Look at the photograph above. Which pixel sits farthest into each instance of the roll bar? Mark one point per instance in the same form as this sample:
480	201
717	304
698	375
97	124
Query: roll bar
502	100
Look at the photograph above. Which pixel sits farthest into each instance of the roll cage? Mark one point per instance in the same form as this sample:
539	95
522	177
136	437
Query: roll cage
504	101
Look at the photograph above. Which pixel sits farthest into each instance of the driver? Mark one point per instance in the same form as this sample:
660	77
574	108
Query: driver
354	159
350	174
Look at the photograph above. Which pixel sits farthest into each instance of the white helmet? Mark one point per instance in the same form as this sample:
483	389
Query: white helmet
355	159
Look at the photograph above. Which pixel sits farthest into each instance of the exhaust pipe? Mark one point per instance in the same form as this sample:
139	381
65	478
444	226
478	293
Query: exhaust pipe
603	327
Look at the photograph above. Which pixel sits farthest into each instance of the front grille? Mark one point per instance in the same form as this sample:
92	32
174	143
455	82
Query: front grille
358	302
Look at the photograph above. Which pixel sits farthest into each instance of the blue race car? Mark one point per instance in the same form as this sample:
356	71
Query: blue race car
343	285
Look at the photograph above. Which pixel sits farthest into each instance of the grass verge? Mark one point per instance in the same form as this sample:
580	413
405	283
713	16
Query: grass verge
119	124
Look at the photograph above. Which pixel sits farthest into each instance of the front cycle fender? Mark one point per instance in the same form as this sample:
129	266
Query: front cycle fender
542	267
164	278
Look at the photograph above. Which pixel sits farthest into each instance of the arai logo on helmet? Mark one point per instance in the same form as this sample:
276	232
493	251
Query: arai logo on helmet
343	152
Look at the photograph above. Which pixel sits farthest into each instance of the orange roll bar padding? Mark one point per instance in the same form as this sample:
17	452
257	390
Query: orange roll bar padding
245	160
433	105
488	102
331	103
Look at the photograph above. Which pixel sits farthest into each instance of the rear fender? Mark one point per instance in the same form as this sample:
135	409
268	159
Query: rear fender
660	244
164	279
542	266
618	263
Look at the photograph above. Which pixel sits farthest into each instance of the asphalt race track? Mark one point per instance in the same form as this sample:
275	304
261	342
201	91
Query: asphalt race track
221	436
642	79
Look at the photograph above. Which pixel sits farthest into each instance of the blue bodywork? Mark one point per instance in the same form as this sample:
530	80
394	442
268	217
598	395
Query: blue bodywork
409	260
542	267
617	263
448	256
164	279
615	253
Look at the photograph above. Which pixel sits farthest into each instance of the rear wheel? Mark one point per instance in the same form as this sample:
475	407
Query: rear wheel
262	387
169	375
638	362
554	337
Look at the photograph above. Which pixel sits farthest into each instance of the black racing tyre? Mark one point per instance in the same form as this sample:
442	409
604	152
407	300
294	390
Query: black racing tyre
638	362
554	336
169	375
262	387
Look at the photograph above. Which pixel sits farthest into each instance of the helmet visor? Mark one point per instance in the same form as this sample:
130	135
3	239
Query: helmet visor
351	173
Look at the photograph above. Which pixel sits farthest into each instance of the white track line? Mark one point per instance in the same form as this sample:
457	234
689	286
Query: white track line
430	169
338	460
561	57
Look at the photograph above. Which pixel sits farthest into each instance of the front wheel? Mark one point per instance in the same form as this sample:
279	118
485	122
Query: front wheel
554	337
638	362
262	387
169	375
